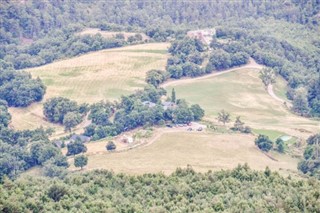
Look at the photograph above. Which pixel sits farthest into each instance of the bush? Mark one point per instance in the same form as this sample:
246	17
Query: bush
111	146
76	147
264	143
247	130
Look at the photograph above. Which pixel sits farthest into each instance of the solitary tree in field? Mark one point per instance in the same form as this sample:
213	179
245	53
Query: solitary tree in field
111	146
268	76
264	143
238	125
224	117
80	161
155	77
76	147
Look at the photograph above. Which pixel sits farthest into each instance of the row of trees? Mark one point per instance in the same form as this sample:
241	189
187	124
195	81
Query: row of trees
143	108
240	189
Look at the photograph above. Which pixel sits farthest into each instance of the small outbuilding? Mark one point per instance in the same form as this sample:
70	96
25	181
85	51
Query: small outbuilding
82	138
168	105
149	104
127	139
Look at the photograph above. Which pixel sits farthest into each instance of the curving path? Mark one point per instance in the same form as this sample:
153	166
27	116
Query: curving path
251	65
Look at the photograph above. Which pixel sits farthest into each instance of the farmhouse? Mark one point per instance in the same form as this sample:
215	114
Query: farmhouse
205	36
58	143
168	105
83	138
149	104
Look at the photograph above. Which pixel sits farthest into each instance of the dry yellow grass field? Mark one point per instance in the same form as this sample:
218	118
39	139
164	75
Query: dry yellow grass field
203	151
105	74
241	93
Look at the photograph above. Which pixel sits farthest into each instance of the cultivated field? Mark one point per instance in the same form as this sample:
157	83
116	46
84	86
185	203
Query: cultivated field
241	93
203	151
92	77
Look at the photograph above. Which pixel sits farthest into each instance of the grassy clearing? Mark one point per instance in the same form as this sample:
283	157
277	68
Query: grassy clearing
31	118
241	93
203	151
272	134
92	77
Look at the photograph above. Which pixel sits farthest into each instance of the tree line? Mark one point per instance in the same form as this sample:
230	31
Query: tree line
237	190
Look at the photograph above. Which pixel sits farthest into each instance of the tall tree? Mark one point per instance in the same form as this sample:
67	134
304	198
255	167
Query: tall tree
224	117
238	125
76	147
267	76
80	161
264	143
300	102
70	120
173	95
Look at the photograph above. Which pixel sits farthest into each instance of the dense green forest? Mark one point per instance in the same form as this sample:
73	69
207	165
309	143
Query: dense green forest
50	26
238	190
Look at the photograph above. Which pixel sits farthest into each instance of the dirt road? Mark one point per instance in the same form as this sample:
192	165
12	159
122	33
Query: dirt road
251	65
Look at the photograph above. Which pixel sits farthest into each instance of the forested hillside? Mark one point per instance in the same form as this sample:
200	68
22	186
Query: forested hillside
238	190
37	32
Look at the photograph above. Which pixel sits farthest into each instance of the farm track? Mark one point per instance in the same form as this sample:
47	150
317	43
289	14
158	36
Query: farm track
251	65
157	134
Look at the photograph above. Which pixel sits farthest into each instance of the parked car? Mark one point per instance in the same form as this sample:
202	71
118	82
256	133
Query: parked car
189	129
169	126
199	129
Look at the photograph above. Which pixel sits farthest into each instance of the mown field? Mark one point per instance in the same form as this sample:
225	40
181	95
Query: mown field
202	151
241	93
105	74
92	77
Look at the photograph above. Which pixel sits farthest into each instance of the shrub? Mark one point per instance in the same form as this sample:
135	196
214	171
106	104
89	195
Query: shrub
264	143
111	146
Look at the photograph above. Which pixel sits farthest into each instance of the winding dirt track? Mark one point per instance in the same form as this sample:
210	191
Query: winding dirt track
251	65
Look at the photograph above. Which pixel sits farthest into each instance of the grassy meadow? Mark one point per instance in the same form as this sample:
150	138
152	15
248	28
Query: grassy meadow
105	74
241	93
202	151
101	75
